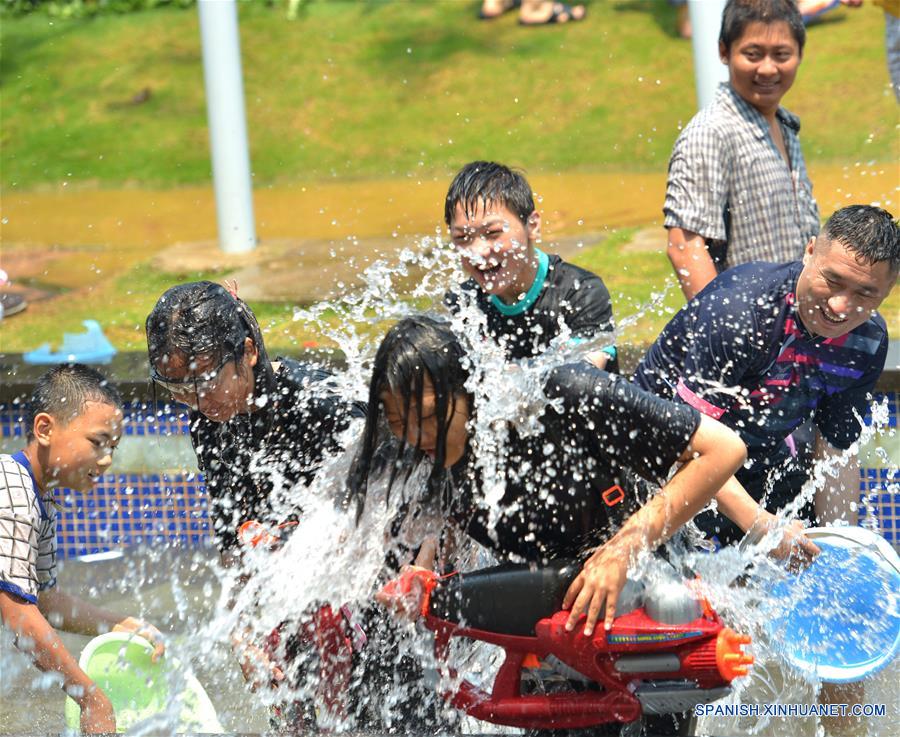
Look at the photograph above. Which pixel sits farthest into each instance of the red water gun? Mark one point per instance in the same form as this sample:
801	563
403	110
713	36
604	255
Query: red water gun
664	654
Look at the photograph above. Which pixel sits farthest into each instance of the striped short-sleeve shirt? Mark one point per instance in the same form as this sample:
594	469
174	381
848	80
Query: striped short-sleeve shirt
729	183
27	533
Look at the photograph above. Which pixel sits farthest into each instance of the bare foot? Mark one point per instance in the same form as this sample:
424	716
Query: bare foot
491	9
683	22
546	12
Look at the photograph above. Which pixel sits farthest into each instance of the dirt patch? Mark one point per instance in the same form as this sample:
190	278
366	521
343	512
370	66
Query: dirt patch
647	240
27	263
306	271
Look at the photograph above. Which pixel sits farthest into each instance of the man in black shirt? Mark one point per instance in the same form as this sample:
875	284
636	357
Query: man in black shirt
252	461
528	297
258	427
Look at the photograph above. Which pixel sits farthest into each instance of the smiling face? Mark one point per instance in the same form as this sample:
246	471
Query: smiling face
836	293
762	64
77	453
497	249
218	389
422	426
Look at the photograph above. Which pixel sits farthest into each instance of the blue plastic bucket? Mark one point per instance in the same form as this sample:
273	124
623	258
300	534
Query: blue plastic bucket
839	619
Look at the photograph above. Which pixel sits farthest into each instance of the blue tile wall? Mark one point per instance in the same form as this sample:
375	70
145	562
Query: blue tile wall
132	509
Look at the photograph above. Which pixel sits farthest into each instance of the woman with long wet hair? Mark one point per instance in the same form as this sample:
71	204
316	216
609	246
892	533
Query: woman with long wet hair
582	487
258	427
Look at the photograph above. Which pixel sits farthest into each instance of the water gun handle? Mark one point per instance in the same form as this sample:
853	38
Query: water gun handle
253	534
401	587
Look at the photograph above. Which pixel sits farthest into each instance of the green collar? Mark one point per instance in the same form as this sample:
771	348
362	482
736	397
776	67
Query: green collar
524	304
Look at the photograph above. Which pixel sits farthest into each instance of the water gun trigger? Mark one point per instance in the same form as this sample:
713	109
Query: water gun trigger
402	586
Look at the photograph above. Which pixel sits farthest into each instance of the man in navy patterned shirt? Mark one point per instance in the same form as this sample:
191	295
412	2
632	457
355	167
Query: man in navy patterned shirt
766	347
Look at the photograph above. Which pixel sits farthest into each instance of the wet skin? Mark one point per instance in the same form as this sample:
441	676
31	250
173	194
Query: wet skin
836	293
75	454
217	390
423	435
497	248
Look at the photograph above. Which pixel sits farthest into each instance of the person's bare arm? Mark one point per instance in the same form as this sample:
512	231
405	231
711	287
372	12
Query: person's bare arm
735	503
599	359
690	258
35	636
839	498
71	614
714	454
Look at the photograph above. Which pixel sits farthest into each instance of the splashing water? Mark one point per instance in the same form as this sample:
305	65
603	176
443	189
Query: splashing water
333	559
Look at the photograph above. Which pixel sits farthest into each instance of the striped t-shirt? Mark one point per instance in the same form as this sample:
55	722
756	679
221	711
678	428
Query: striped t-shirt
27	532
739	352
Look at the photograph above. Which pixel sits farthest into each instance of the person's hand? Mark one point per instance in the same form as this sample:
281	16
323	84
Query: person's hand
852	3
258	668
145	630
601	580
794	547
405	596
427	553
97	715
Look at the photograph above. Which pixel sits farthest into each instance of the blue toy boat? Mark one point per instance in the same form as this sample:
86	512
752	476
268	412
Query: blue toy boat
88	347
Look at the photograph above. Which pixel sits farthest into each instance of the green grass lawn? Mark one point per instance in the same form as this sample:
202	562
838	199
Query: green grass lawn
398	89
404	90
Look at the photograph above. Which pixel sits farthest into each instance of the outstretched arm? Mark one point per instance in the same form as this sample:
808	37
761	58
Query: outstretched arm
77	615
35	636
712	457
838	499
742	509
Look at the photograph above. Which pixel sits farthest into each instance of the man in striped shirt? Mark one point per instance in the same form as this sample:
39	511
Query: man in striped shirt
766	347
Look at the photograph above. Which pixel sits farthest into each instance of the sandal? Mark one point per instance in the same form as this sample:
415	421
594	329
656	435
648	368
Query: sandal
556	16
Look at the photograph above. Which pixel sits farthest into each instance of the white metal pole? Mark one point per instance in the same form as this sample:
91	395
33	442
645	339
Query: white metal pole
709	71
227	124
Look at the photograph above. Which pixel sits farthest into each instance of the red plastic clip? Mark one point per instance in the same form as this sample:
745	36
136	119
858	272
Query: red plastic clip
613	495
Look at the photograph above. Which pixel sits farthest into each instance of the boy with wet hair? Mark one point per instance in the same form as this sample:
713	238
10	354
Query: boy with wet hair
526	295
73	424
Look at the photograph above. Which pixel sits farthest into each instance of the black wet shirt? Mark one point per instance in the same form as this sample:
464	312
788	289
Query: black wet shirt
569	295
252	459
570	487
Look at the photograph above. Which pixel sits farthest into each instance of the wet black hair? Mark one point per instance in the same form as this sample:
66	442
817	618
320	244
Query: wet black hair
203	319
63	391
870	232
491	183
739	14
417	347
